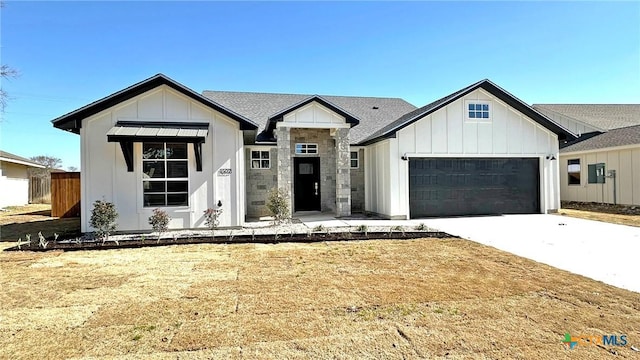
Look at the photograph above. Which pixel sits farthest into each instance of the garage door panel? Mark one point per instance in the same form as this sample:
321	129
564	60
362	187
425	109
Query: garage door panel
459	186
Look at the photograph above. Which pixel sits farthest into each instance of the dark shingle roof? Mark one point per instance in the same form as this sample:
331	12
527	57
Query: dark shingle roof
73	121
616	137
602	116
407	119
373	112
9	157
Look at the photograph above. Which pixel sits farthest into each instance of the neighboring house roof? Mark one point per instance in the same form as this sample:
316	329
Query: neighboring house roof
372	112
612	138
601	116
9	157
73	120
409	118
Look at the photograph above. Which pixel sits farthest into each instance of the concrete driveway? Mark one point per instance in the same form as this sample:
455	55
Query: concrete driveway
602	251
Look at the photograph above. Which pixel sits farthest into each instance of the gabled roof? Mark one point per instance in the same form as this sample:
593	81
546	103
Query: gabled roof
612	138
373	112
409	118
351	119
73	120
9	157
601	116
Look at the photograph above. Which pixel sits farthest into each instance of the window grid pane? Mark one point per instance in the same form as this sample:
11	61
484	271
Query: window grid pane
162	162
305	148
260	159
478	111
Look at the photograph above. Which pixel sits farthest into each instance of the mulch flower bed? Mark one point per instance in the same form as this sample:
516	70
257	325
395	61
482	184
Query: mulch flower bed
87	242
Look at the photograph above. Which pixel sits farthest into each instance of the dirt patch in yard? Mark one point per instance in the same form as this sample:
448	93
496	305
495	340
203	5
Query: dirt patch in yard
17	221
615	214
358	299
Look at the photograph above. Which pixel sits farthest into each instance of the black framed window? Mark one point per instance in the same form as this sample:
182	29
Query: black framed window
573	169
165	174
260	159
305	148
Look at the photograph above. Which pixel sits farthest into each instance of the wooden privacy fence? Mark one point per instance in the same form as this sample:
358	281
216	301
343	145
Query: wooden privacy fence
65	194
39	189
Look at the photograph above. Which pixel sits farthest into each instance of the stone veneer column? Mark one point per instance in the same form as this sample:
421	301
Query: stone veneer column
343	176
284	163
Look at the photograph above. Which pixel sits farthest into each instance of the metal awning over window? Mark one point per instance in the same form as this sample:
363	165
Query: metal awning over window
128	132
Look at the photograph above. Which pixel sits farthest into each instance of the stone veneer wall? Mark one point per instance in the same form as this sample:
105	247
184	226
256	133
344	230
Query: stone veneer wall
357	184
343	177
326	152
259	182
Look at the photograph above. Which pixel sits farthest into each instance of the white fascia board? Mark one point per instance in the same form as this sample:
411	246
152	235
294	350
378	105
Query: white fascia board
312	125
20	162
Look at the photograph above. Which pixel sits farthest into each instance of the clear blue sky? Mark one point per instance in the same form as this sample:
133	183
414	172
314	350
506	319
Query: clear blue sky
72	53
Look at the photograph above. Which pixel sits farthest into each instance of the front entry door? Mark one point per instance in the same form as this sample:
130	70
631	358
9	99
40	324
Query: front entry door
306	183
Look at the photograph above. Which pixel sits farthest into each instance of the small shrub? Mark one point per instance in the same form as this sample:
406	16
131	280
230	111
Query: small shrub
159	221
363	229
398	228
42	241
421	227
212	219
103	218
319	228
278	205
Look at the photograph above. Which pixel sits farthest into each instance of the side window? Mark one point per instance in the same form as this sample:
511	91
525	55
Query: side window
355	161
573	169
260	159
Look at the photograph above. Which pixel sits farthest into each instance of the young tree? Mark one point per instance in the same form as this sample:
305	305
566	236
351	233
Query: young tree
49	163
6	72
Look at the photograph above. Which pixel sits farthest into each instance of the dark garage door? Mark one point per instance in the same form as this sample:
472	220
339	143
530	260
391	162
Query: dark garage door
464	186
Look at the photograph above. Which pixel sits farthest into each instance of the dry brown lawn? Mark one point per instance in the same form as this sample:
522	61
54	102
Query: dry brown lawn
427	298
622	219
31	219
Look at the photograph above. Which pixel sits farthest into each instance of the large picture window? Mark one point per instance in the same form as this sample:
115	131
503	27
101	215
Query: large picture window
165	174
573	169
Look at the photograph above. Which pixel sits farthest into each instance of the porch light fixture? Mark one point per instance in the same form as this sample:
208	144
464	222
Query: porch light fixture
551	157
404	157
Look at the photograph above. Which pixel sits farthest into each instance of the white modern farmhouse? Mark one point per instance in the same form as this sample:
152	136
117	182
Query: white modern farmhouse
159	144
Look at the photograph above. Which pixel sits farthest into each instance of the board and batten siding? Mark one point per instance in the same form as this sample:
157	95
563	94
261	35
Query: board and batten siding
446	133
625	161
104	172
313	115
